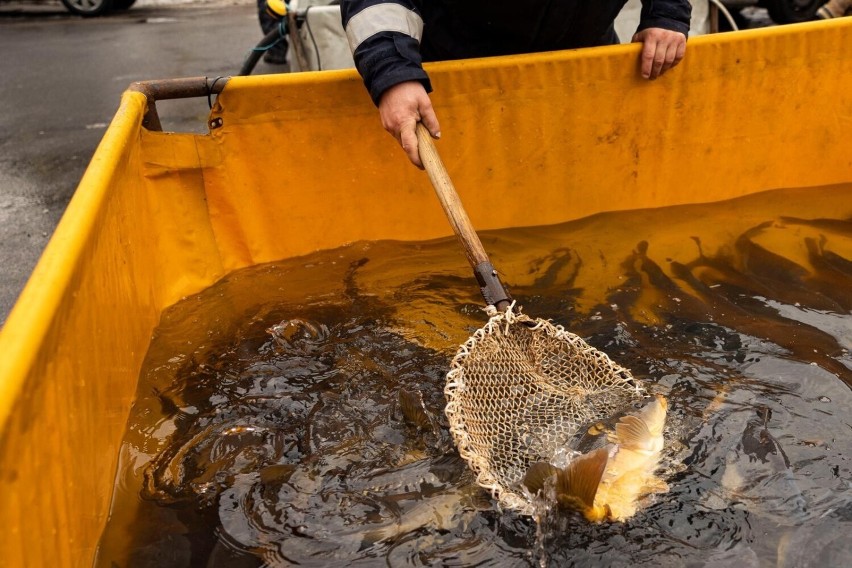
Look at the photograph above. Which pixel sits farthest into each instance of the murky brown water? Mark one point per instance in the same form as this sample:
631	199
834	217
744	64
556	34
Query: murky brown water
247	447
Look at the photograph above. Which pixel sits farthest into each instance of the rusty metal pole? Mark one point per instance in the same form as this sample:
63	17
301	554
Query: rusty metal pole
166	89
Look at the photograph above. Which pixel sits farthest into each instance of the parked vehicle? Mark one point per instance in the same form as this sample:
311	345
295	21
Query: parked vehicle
89	8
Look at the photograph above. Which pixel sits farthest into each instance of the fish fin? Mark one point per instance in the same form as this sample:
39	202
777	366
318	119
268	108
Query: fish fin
632	433
413	409
578	483
379	535
537	475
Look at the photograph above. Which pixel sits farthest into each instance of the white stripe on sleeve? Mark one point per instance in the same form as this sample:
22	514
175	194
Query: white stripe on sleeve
386	17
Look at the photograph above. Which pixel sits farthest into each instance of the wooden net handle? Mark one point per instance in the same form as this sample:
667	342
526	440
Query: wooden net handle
449	198
489	283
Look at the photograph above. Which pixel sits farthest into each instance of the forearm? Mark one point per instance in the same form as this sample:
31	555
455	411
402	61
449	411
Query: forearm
385	41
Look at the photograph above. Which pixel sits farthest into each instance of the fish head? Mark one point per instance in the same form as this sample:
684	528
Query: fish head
643	429
653	414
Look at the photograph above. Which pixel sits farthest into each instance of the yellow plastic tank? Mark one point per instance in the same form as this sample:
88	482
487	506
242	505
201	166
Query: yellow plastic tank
297	163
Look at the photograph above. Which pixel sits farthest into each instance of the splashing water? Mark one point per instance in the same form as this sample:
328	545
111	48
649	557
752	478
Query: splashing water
273	422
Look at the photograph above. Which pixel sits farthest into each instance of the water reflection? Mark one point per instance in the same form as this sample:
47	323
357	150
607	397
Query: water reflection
274	424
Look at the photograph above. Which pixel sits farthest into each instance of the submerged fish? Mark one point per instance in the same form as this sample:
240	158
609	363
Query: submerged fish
445	511
414	411
608	483
757	472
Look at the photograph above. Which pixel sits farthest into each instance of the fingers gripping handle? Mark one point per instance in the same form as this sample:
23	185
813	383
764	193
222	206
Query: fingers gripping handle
492	289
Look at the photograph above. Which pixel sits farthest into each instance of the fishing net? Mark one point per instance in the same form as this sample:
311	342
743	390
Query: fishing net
519	390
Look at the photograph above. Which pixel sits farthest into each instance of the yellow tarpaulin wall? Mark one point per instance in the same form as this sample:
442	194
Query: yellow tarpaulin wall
300	163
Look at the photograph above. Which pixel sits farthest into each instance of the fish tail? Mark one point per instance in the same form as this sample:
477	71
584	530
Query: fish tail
379	535
538	475
577	484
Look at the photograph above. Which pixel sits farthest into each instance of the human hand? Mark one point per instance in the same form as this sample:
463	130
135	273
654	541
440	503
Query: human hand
661	50
401	108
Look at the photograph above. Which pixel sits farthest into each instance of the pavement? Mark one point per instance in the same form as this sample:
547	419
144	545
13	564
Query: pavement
62	79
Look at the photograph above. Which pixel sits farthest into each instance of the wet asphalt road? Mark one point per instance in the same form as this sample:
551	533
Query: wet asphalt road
61	79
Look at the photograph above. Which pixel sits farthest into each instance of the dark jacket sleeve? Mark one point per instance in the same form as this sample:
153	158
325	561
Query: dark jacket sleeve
667	14
386	58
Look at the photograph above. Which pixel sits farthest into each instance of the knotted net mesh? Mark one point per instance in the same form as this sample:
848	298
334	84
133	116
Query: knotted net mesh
519	390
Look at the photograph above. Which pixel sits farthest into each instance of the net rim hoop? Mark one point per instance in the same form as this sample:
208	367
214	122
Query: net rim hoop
455	384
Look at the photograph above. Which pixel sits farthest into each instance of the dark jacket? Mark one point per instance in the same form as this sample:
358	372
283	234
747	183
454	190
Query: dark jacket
459	29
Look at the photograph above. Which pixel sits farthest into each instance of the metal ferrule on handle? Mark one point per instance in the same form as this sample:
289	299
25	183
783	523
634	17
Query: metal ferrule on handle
492	289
